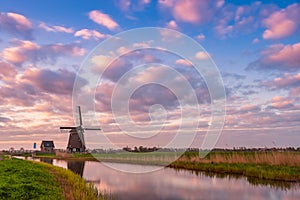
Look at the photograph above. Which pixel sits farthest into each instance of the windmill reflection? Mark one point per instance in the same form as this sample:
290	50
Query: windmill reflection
47	160
76	167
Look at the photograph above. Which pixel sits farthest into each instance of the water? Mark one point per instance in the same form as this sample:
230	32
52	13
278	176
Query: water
177	184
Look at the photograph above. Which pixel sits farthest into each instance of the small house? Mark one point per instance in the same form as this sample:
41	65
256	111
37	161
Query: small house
47	146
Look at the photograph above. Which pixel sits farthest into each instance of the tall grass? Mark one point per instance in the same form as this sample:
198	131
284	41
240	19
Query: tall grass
286	158
153	158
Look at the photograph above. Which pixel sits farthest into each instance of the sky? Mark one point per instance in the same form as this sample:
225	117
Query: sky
47	48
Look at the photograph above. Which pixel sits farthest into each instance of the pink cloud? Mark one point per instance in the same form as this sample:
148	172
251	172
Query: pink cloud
55	28
249	108
103	19
200	37
278	57
223	27
280	102
172	25
295	92
57	82
166	3
183	62
191	11
283	23
7	72
15	23
236	20
127	5
288	54
287	80
201	55
20	19
17	55
29	51
89	34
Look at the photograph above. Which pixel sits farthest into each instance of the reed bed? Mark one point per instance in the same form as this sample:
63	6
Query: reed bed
285	158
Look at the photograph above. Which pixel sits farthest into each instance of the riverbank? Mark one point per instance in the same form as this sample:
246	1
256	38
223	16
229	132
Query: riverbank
21	179
271	165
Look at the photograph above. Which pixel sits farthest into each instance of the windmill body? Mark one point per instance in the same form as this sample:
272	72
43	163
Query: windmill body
76	141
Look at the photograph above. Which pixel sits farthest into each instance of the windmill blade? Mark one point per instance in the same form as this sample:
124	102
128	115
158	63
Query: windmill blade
67	127
92	129
80	118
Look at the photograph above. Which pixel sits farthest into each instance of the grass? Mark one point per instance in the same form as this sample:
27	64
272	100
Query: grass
151	158
287	158
272	165
25	180
267	172
21	179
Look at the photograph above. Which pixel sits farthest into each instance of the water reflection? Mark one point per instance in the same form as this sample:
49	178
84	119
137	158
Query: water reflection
283	185
47	160
76	166
182	184
174	184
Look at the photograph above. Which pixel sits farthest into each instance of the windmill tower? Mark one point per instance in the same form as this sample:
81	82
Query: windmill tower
76	138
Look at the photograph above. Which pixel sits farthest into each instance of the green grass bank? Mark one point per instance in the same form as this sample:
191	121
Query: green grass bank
21	179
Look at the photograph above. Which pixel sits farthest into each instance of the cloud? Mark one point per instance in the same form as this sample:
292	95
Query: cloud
55	28
278	57
200	37
103	20
117	69
201	55
183	62
255	41
166	3
36	86
4	119
280	102
23	51
286	81
127	5
233	20
7	72
172	25
283	23
16	24
20	52
89	34
190	11
49	81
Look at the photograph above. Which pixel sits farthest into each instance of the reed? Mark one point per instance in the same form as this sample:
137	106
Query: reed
286	158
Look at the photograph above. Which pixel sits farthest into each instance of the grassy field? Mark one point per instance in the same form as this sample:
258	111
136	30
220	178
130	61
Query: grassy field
20	179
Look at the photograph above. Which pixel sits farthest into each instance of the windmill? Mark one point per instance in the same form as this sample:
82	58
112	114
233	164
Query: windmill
76	138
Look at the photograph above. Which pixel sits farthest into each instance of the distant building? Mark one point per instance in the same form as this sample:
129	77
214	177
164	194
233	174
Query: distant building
47	146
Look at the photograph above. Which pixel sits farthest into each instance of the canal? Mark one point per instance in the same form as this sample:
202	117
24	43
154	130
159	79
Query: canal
169	183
